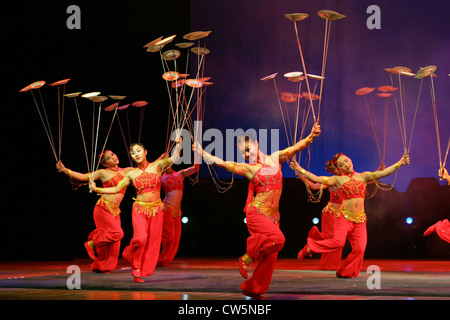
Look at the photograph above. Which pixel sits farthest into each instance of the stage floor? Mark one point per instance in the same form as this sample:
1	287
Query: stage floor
219	279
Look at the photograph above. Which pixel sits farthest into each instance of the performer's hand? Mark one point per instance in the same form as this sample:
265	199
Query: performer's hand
405	159
443	173
197	148
59	166
315	132
295	166
92	187
381	167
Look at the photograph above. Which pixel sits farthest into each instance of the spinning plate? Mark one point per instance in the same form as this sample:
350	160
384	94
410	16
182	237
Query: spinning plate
313	76
171	55
171	76
311	96
98	98
400	70
112	107
363	91
184	44
330	15
37	84
72	95
165	41
269	77
25	89
296	16
139	104
152	43
194	83
117	97
387	89
155	48
425	72
200	50
293	74
197	35
123	107
90	94
60	82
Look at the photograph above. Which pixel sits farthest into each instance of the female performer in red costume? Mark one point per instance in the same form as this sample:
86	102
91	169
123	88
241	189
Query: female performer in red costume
328	260
266	238
103	244
442	228
147	213
351	218
172	183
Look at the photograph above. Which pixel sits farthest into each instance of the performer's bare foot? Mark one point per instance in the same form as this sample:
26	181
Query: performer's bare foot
90	249
136	273
303	253
244	262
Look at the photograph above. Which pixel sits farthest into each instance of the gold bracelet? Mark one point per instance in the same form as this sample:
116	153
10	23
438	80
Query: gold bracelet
325	180
231	166
309	140
99	191
396	166
69	173
303	171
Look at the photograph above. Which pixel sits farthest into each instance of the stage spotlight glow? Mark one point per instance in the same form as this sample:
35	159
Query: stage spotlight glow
409	220
185	219
315	220
245	220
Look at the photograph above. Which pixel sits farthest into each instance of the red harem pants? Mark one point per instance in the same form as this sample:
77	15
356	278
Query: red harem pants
330	260
263	245
106	238
143	251
357	235
171	234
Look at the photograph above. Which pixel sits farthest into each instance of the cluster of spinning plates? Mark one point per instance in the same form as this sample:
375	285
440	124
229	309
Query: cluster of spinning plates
93	96
324	14
422	73
159	43
41	83
385	91
176	78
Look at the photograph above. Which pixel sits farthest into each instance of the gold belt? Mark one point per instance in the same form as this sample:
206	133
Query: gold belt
148	208
268	211
356	217
108	205
330	209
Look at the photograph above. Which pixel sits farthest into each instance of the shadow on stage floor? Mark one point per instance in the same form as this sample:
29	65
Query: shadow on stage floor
219	279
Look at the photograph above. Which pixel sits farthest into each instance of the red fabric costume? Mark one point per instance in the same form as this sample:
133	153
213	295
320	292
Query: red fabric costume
108	232
147	218
351	225
330	260
172	219
266	238
442	229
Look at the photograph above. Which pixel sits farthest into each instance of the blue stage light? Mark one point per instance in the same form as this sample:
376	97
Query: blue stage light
315	220
409	220
185	219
